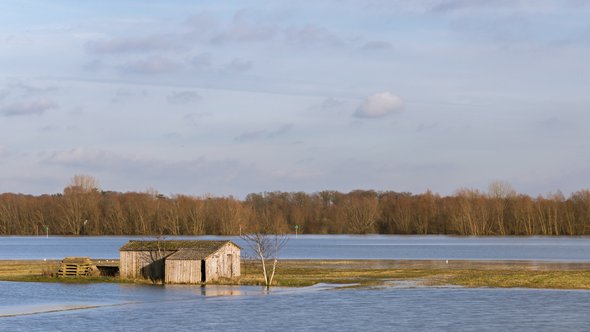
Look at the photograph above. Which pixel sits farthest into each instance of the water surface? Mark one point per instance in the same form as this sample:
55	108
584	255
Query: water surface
567	249
192	308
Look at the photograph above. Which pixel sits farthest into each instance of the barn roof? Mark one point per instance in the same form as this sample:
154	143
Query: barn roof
191	254
196	245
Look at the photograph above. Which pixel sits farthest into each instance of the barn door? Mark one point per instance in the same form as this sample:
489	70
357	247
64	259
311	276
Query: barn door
203	270
229	267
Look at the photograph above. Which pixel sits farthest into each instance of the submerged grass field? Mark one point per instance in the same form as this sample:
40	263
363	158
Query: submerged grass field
427	273
297	273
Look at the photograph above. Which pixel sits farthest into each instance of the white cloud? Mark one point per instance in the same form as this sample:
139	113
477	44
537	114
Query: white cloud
379	105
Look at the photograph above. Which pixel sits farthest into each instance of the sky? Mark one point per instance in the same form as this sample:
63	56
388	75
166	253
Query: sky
238	97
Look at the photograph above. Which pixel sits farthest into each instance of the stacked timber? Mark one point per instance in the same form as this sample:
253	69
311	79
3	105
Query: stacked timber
76	267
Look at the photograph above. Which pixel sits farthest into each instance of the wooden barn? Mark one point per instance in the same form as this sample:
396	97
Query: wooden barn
180	261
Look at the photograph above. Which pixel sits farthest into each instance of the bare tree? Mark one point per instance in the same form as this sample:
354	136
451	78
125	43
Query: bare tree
80	203
361	213
501	190
266	247
155	259
81	183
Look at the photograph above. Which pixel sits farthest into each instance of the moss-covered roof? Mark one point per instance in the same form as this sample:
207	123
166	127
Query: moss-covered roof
172	245
191	254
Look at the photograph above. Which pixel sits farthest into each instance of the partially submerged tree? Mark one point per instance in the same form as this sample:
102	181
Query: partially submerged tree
266	246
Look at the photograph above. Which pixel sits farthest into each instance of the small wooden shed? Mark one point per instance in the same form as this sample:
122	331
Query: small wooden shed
180	261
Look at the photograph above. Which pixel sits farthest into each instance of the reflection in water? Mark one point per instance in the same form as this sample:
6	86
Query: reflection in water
215	290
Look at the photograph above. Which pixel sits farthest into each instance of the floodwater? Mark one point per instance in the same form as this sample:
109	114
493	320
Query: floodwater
563	249
403	307
117	307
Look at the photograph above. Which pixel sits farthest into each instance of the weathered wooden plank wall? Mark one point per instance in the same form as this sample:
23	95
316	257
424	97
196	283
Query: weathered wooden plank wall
225	263
142	264
183	272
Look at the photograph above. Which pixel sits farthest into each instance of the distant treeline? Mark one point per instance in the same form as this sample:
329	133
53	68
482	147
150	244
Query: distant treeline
82	209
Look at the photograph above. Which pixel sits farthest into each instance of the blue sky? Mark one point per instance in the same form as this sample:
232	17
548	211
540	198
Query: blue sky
235	97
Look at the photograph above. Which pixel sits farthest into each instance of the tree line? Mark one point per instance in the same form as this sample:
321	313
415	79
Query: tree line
83	209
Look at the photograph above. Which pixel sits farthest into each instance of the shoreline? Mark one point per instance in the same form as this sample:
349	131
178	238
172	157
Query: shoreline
362	273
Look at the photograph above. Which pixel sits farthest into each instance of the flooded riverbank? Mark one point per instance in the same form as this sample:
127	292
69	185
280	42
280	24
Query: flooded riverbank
299	273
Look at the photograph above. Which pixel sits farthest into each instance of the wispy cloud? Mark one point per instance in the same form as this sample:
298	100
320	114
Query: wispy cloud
223	174
142	44
81	157
250	136
150	66
245	28
282	130
376	45
238	65
467	6
201	61
202	23
310	35
332	103
34	107
264	134
15	89
124	94
94	65
183	97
